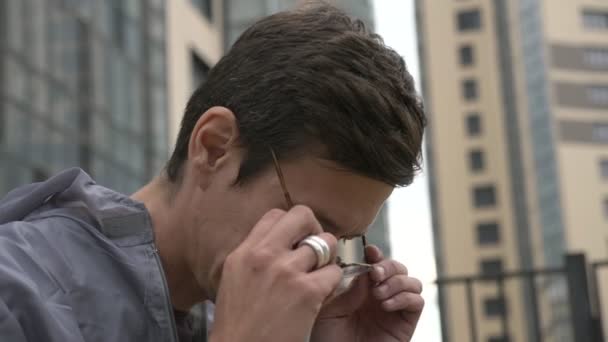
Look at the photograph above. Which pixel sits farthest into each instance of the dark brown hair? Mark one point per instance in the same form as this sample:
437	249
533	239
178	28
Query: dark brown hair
314	77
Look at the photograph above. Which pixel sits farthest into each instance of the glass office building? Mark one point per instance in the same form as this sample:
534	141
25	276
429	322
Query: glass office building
82	83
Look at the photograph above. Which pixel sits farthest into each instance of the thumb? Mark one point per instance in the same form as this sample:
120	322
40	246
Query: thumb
373	254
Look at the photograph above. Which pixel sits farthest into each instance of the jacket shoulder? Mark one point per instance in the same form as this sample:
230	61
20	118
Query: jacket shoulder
31	295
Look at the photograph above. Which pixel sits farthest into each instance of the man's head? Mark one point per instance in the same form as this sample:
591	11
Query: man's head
335	104
314	78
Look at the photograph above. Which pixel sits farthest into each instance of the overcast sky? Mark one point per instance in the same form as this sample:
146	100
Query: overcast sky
409	208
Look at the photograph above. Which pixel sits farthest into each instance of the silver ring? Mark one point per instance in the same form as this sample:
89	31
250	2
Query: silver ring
324	246
320	247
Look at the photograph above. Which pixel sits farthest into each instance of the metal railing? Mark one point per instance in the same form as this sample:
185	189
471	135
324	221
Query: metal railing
583	292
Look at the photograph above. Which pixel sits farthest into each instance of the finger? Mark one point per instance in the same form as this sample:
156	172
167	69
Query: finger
304	257
396	284
294	226
373	254
404	301
264	225
386	269
325	279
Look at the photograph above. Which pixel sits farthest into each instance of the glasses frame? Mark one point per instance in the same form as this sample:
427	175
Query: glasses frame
356	265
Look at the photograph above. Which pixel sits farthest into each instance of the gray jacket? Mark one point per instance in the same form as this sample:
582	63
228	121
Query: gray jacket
78	263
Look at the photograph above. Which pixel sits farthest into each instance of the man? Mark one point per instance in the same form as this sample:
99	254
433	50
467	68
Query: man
226	221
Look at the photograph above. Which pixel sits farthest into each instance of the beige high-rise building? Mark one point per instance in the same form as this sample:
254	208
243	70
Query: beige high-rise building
517	95
195	42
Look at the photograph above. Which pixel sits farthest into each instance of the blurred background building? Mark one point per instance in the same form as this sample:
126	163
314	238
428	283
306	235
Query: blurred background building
517	95
83	83
99	84
195	44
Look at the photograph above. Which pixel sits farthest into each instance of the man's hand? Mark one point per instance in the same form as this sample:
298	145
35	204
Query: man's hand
383	306
268	290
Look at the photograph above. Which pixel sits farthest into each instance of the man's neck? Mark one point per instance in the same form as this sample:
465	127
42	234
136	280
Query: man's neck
169	228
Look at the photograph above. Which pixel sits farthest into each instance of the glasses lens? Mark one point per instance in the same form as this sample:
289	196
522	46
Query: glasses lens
354	270
351	251
350	260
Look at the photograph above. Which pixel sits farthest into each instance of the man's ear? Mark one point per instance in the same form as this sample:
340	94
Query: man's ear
213	135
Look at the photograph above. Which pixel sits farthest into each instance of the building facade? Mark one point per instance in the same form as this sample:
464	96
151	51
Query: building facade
517	95
83	83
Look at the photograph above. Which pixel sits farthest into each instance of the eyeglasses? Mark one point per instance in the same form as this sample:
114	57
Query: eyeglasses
349	270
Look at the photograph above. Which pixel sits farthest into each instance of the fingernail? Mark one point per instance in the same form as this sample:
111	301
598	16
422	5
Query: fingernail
388	304
382	288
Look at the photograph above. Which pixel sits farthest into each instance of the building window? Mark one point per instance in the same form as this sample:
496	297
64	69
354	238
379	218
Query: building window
487	233
498	339
473	125
469	89
469	20
603	165
118	24
484	196
606	208
600	133
466	55
598	95
494	307
205	7
595	20
200	70
476	160
491	267
596	57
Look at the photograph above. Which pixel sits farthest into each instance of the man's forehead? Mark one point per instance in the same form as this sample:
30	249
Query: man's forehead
349	227
344	202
